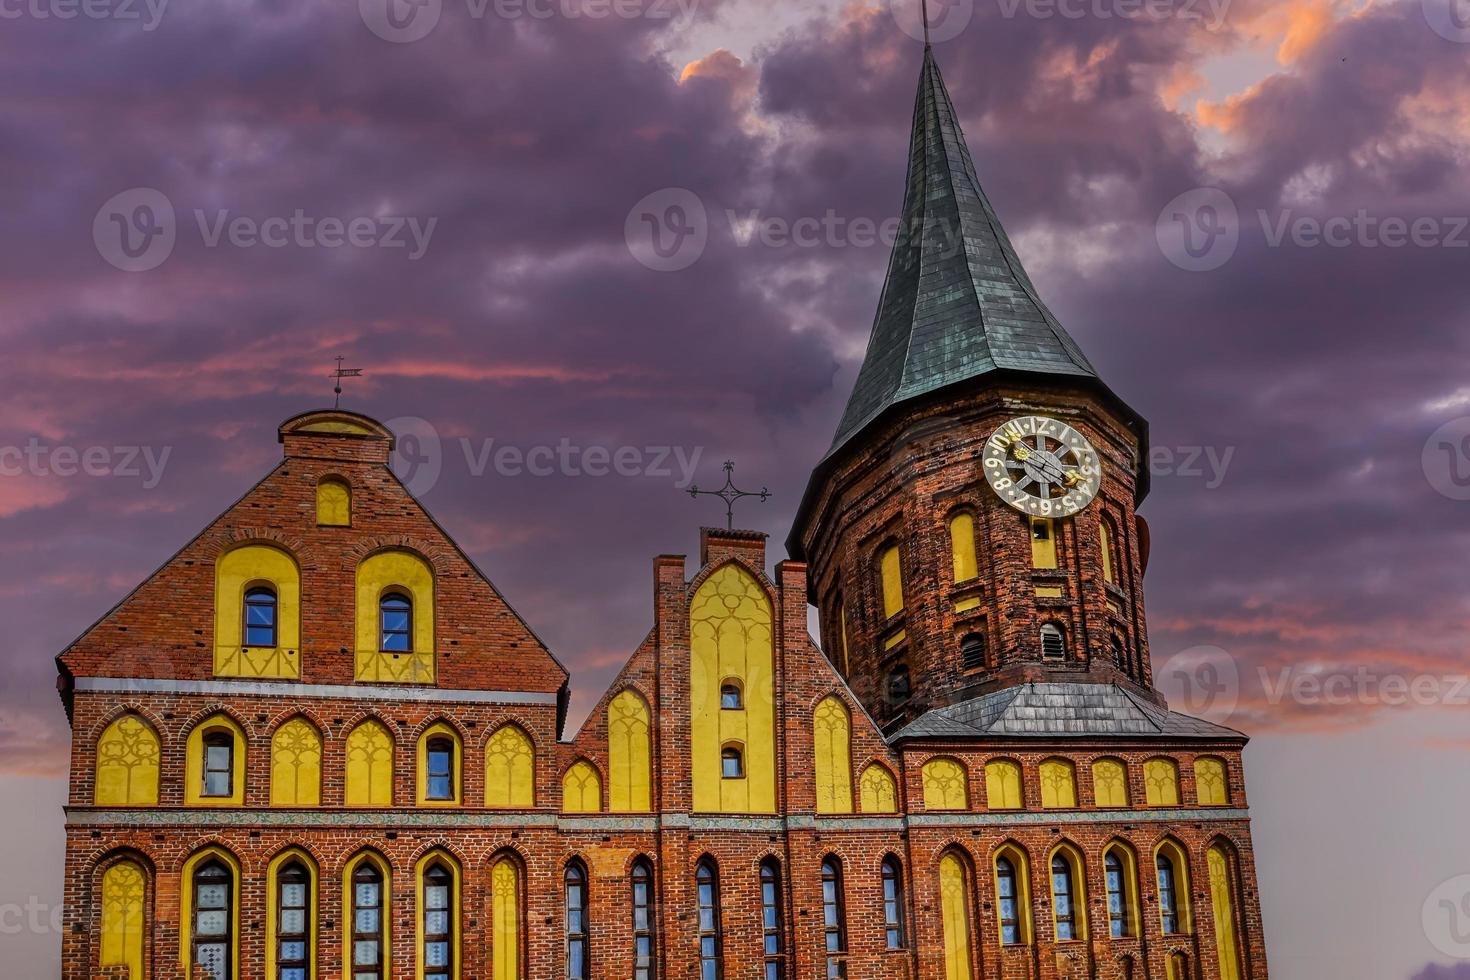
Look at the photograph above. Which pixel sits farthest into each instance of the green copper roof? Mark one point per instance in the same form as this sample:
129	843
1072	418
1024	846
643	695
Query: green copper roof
956	303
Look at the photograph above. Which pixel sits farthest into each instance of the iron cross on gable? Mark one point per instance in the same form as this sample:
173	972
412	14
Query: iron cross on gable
729	494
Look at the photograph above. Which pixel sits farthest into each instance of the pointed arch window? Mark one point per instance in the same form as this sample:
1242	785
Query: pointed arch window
1065	899
294	918
1120	913
1168	894
260	617
893	905
395	621
574	887
773	922
962	547
439	912
707	887
1222	899
1105	546
954	899
1008	902
213	934
834	919
367	922
643	923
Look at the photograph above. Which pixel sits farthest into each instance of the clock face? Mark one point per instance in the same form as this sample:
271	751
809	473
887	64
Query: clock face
1042	467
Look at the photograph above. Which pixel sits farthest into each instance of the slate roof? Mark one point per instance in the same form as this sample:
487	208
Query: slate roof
1051	710
956	303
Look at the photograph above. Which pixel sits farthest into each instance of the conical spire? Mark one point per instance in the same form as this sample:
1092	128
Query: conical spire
956	303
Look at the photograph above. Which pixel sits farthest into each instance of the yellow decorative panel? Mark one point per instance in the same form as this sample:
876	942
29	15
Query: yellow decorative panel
965	605
892	572
954	903
1105	543
456	777
1003	785
895	639
1211	784
235	573
1043	542
629	788
456	908
124	922
369	766
1222	897
1049	592
127	764
878	789
1110	783
194	764
505	901
395	571
296	765
581	790
510	763
1161	782
832	734
272	908
342	426
962	547
333	503
730	637
1058	785
944	785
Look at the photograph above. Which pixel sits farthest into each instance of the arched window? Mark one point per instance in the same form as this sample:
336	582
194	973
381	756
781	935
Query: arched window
945	785
898	686
1043	543
510	762
962	546
834	918
1168	894
643	922
1222	899
954	901
439	925
1118	872
1161	782
1105	546
333	503
1069	909
1003	785
893	904
213	920
879	790
1110	784
731	697
260	617
124	918
832	738
365	924
1058	785
707	884
1053	642
973	652
1008	905
219	764
1211	782
732	763
773	922
294	919
440	773
891	579
578	955
395	620
127	764
369	766
296	765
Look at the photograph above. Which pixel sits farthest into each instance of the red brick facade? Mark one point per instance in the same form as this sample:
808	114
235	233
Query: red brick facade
150	657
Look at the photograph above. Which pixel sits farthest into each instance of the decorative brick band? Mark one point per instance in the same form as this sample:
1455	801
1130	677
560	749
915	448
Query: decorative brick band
121	685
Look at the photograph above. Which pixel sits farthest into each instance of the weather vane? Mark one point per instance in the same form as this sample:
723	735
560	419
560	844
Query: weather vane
729	494
339	374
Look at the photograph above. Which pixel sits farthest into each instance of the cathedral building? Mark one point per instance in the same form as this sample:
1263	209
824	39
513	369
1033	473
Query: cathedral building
317	744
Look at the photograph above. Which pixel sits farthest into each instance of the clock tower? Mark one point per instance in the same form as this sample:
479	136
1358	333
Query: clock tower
973	527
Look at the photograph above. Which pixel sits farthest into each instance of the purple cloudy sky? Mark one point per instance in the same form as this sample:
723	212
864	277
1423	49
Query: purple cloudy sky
1310	398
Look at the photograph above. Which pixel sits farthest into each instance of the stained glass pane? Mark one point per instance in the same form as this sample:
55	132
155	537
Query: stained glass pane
367	895
211	923
211	896
293	921
436	954
365	953
293	896
291	952
436	923
436	897
367	921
